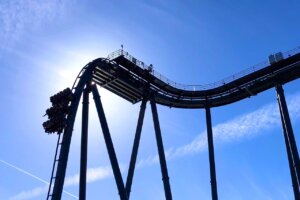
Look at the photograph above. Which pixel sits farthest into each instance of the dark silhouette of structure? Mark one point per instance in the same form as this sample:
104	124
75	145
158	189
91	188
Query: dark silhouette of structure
132	80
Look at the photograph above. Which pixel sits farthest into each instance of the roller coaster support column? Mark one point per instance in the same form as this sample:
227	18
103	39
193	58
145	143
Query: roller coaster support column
213	180
289	135
67	136
109	144
291	163
135	147
161	152
84	142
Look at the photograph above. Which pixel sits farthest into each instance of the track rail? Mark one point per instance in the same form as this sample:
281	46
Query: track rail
131	79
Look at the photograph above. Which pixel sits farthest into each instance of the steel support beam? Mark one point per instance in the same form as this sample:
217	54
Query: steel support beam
291	162
109	144
84	144
67	136
213	179
291	145
161	152
135	147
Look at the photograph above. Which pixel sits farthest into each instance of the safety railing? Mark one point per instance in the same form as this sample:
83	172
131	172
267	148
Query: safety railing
226	80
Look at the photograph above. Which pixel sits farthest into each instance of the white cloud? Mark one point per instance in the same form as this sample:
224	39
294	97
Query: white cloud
29	194
93	174
20	16
34	192
245	126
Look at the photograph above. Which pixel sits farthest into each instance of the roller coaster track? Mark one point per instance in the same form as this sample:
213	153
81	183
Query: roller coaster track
131	79
134	81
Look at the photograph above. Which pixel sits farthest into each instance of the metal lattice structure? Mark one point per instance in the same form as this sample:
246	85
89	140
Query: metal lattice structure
136	82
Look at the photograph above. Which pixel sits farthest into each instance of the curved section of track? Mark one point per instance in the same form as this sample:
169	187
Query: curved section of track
127	77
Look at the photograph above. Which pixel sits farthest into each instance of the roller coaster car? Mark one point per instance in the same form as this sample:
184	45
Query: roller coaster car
57	114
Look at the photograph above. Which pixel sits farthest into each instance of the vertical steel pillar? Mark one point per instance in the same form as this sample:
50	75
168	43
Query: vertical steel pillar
161	153
135	147
210	142
291	163
109	144
84	144
64	153
289	137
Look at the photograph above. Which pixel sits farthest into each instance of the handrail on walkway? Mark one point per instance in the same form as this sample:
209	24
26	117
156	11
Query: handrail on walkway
226	80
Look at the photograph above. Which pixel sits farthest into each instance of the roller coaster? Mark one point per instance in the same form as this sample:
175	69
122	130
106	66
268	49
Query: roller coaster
134	81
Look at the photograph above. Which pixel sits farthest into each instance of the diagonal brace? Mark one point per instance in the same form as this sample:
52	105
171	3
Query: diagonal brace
161	152
290	160
290	142
135	147
109	144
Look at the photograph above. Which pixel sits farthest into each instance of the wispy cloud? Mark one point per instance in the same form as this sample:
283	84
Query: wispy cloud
38	191
29	194
244	126
35	192
20	16
93	174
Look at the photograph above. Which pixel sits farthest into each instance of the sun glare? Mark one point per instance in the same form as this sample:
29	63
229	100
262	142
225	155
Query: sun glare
70	65
114	106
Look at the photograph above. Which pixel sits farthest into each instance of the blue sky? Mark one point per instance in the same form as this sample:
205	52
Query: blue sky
45	43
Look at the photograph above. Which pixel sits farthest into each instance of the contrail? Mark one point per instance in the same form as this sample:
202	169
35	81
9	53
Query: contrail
24	172
33	176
